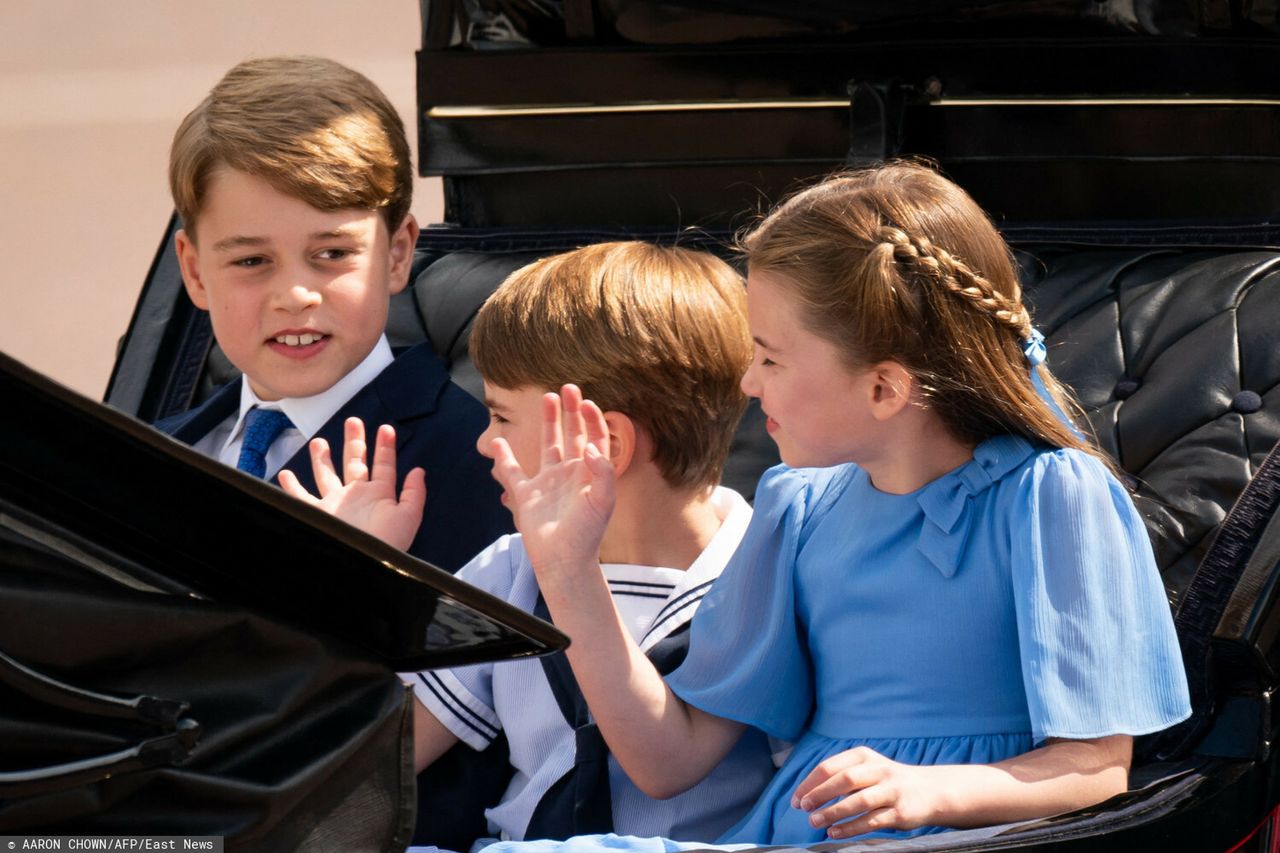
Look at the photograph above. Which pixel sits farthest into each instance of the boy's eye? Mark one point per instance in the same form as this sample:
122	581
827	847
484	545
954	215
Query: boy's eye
497	418
253	261
334	254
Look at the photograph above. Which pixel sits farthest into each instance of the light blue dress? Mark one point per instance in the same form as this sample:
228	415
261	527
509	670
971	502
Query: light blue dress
1011	600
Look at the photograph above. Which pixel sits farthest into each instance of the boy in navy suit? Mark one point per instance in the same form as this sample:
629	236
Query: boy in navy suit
293	181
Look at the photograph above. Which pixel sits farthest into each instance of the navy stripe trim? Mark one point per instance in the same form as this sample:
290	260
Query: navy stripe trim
621	582
486	729
683	598
686	599
634	594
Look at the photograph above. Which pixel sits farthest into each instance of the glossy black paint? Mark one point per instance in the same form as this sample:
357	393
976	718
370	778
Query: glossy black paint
155	509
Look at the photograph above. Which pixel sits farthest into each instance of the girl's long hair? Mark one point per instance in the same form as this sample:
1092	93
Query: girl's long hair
897	263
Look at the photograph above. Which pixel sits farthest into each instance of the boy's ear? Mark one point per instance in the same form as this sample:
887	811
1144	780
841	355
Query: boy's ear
623	436
402	244
890	389
189	263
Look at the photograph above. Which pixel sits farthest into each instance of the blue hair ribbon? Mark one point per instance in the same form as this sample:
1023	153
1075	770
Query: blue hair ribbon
1037	353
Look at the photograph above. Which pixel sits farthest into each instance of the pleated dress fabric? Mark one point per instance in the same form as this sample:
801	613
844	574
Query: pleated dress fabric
1011	600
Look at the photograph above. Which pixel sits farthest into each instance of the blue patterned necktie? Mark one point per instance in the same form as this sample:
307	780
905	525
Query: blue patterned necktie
261	428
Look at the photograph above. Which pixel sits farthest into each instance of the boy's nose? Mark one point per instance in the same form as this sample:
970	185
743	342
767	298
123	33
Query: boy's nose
297	296
483	442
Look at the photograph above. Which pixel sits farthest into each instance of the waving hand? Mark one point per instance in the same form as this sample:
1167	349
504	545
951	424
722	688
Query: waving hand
365	495
562	508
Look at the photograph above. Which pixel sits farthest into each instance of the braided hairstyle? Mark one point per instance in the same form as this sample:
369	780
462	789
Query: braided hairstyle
896	263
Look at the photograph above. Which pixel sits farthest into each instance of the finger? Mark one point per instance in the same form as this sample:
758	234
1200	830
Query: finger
289	483
413	496
603	477
322	467
846	781
383	471
353	451
552	438
506	470
864	800
575	440
803	797
597	428
603	474
881	818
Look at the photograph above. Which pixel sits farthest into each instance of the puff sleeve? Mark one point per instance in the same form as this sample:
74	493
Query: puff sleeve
1099	653
748	659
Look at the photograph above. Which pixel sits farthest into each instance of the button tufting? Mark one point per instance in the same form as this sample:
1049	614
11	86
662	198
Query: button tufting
1125	388
1246	402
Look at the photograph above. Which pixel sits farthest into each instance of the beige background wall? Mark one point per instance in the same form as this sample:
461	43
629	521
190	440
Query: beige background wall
90	94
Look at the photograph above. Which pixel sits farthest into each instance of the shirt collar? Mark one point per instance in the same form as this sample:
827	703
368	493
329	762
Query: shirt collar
735	515
309	414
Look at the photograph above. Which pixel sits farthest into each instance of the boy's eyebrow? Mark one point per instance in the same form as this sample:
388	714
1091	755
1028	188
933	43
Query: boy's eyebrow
238	242
336	233
490	403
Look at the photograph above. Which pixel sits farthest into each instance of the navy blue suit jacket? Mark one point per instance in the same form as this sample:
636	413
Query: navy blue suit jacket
437	424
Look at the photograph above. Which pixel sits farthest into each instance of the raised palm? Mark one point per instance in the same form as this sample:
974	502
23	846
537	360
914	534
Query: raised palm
365	495
562	510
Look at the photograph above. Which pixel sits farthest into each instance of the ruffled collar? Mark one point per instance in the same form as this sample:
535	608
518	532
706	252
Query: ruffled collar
947	504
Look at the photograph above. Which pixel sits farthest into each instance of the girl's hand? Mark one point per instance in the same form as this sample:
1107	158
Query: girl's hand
562	510
872	792
878	793
367	498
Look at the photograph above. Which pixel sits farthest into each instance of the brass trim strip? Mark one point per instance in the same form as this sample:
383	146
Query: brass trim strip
656	107
711	106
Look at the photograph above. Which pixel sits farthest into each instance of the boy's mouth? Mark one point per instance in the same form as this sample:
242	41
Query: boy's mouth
302	340
298	345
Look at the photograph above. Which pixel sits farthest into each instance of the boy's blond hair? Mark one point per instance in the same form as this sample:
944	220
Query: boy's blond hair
657	334
310	127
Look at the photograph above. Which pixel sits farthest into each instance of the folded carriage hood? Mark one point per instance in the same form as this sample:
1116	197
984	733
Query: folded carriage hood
144	510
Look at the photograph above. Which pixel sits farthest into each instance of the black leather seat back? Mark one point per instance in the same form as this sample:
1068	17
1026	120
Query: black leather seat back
1174	354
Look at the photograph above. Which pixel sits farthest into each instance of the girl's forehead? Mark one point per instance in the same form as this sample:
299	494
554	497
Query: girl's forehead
772	311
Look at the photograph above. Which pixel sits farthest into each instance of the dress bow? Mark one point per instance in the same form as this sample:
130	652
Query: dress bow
947	503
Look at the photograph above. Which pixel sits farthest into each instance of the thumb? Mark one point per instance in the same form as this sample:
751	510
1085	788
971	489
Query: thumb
290	486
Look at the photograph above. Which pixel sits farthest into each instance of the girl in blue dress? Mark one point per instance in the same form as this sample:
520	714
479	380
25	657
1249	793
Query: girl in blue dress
945	599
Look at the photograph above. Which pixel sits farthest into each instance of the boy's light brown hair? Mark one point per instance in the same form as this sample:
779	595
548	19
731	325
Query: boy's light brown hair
657	334
310	127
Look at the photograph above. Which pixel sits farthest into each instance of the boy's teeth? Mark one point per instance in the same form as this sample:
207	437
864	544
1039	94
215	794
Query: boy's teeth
296	340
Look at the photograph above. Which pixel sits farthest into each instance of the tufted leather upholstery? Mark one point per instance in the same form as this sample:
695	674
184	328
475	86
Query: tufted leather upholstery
1175	356
1173	353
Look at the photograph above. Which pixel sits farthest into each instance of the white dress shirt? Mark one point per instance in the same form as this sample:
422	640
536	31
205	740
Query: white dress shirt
308	414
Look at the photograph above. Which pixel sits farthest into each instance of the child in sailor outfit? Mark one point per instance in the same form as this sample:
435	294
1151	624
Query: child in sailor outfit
658	337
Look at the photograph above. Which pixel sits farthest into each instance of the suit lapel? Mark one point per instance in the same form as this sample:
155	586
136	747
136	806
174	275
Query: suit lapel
401	395
201	421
